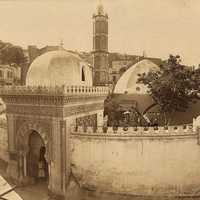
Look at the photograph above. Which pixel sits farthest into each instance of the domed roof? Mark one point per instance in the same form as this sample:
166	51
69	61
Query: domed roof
128	81
57	68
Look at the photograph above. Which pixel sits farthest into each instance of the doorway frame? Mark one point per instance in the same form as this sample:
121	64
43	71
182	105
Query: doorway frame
22	146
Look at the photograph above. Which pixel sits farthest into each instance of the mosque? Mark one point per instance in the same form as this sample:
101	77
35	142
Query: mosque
56	120
127	92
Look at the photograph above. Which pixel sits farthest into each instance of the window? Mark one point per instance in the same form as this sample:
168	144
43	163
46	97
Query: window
9	74
1	73
83	74
97	42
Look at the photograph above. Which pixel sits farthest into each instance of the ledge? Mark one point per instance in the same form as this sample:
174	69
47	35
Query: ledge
139	132
57	90
134	137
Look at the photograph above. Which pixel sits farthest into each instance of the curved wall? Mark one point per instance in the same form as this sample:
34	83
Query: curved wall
137	165
57	68
128	81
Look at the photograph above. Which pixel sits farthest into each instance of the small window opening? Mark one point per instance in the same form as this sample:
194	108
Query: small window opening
137	88
83	75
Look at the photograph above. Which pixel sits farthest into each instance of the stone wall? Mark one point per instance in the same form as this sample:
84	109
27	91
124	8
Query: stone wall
151	162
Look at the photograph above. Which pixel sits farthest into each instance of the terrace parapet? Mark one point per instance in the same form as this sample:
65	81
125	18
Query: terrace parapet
58	95
182	130
57	90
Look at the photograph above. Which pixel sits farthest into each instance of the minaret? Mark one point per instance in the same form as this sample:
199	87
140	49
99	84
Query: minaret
100	47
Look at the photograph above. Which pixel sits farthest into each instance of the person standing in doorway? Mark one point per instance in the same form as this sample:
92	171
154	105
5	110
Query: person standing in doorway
42	165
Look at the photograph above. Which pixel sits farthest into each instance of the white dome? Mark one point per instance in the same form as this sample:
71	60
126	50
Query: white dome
57	68
128	81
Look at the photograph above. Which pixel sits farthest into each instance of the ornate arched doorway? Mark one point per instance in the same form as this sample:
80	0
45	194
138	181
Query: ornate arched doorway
33	151
50	111
37	166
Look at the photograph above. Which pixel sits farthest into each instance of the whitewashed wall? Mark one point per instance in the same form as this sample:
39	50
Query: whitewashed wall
137	165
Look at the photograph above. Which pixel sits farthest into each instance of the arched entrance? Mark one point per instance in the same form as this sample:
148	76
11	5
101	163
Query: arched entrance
37	166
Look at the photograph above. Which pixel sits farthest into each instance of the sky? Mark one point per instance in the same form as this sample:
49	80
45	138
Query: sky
158	27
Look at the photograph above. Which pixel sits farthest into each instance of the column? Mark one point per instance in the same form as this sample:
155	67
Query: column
25	166
21	166
63	154
11	132
56	168
69	122
13	167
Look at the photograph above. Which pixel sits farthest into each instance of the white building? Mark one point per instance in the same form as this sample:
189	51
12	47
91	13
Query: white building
10	74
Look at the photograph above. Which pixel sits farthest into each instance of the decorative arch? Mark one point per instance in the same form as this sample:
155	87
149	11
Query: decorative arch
24	131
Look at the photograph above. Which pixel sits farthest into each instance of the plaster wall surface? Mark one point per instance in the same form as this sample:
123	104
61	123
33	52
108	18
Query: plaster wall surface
136	165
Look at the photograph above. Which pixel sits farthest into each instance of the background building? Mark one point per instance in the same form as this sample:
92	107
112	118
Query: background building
119	63
10	75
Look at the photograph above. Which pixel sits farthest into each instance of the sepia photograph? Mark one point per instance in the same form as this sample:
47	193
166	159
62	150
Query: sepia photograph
100	99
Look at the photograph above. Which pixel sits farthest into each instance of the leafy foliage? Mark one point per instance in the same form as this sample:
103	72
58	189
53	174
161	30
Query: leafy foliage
174	87
116	114
11	54
111	108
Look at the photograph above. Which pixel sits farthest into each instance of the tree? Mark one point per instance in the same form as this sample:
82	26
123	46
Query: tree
115	113
11	54
174	87
111	108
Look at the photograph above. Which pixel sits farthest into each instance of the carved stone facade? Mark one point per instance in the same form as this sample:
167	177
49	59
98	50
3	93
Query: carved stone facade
54	111
50	113
90	120
23	130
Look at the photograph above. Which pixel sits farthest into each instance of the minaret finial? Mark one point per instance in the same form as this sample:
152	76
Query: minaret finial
61	44
144	54
100	9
